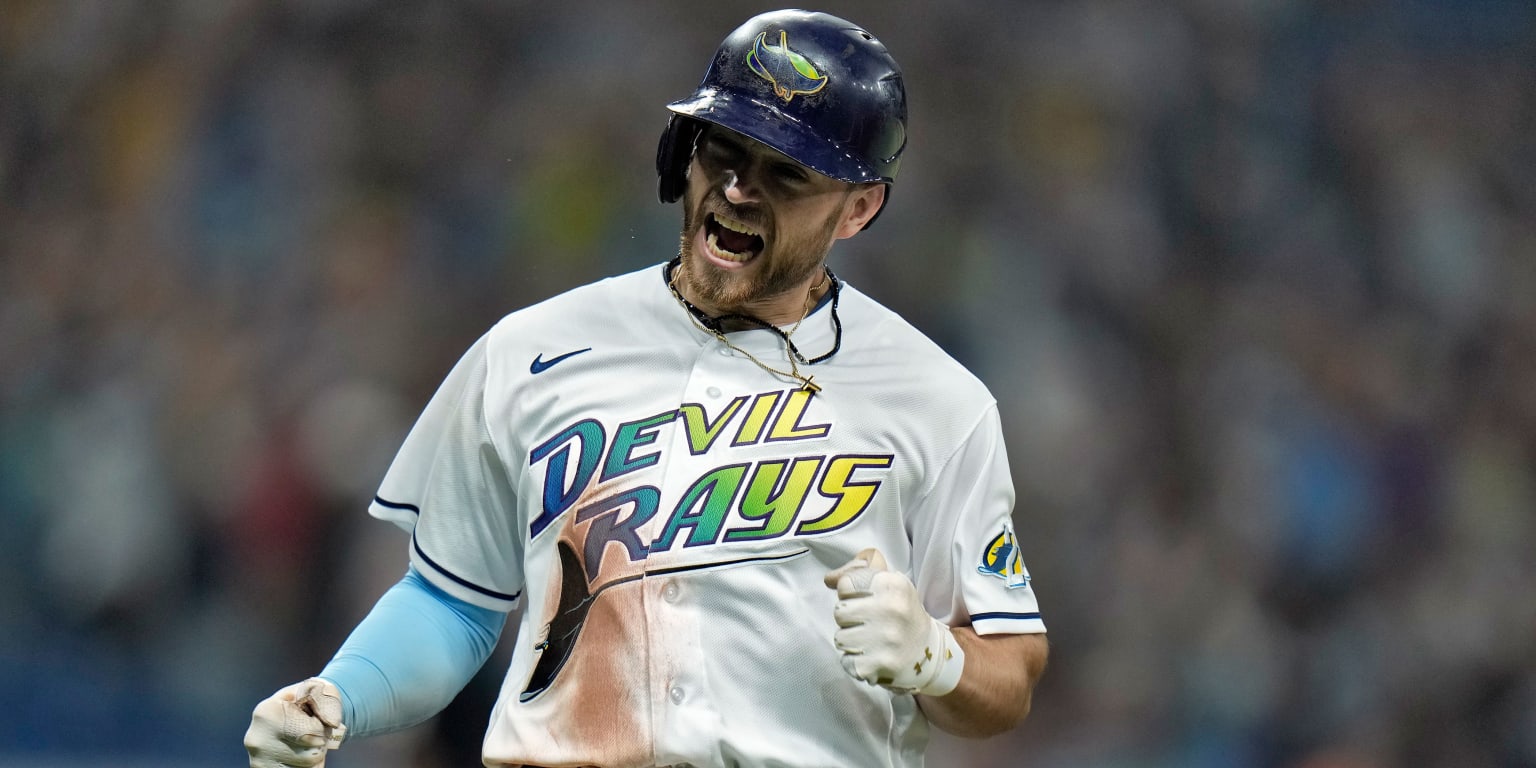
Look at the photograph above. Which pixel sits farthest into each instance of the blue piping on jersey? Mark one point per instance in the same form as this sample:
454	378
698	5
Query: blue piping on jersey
383	502
1003	615
459	580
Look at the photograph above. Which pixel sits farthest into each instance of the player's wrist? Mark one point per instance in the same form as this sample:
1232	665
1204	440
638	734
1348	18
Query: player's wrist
948	662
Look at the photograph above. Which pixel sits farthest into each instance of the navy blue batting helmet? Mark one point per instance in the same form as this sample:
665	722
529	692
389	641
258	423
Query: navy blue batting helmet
813	86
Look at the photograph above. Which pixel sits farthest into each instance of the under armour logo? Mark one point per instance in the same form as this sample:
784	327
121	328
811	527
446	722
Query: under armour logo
927	656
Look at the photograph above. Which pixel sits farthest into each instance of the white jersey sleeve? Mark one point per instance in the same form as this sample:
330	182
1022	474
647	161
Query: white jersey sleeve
448	487
967	561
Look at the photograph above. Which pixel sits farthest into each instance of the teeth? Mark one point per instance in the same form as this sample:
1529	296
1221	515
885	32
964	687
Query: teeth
734	225
714	245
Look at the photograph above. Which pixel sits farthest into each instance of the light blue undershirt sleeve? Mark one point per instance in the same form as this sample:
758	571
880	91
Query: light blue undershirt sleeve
410	656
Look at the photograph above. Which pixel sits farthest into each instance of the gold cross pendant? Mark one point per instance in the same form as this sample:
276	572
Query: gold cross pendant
810	385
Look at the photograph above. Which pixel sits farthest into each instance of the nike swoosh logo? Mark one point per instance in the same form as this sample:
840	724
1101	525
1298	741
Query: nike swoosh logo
541	365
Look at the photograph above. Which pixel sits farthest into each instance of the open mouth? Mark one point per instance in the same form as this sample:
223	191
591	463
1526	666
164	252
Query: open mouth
730	240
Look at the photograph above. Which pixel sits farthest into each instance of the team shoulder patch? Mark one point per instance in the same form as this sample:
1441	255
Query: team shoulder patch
1001	559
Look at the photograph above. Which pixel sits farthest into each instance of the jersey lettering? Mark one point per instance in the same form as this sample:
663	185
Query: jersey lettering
700	430
775	503
703	508
626	439
787	425
851	497
560	493
607	527
735	502
752	426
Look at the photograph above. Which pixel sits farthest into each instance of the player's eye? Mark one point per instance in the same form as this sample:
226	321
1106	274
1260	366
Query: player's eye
719	152
790	172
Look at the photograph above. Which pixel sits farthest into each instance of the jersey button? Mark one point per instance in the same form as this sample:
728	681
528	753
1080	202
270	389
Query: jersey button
676	693
712	391
669	592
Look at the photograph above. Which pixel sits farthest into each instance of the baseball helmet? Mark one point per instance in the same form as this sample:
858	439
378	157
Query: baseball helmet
815	87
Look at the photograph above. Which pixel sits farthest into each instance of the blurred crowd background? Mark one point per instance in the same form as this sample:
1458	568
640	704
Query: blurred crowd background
1254	282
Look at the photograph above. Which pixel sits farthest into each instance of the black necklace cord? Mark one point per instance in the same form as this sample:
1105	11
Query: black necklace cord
716	324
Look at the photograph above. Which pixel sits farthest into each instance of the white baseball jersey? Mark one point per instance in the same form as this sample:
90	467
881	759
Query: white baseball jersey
665	510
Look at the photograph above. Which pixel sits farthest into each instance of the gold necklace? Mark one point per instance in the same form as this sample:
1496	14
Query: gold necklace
790	353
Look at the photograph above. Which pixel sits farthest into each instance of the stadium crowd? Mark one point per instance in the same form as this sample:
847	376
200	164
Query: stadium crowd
1254	282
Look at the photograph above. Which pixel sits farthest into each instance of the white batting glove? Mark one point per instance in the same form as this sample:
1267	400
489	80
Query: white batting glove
886	636
295	727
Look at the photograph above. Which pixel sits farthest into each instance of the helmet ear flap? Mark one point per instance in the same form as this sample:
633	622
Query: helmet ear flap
673	154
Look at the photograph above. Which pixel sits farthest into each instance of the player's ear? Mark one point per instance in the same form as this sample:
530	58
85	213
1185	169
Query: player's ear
860	208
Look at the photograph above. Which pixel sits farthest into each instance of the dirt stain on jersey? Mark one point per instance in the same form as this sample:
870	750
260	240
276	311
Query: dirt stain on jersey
590	682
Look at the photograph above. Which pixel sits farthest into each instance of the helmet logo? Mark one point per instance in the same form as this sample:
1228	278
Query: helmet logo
787	71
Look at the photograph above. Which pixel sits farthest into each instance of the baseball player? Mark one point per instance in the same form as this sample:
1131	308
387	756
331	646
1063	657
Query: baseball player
752	517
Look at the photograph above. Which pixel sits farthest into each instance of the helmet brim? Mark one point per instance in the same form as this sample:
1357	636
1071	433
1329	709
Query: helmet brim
765	122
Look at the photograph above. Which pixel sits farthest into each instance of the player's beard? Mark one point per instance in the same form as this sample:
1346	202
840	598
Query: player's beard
786	264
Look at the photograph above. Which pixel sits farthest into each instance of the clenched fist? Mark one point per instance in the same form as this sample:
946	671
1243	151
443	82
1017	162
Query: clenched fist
295	727
885	635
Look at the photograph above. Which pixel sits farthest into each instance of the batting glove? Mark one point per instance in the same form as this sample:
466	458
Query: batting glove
886	636
295	727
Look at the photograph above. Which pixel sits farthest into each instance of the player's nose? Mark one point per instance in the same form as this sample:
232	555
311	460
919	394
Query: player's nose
739	188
